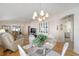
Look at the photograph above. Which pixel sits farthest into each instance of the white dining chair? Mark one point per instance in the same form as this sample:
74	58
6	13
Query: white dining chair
31	38
66	45
54	53
21	51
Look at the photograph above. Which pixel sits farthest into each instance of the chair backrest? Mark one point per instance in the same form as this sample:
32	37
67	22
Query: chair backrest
31	38
64	48
21	51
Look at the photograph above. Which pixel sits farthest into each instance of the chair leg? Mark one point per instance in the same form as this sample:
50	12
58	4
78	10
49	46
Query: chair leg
44	52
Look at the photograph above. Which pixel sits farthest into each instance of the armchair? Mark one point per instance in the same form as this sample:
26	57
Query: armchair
8	41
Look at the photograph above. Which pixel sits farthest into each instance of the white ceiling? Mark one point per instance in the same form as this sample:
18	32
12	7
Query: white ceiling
24	11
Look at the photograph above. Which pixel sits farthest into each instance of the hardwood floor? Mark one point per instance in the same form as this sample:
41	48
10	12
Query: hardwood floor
9	53
57	48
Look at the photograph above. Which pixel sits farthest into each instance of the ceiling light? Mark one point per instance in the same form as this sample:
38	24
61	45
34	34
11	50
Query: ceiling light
41	16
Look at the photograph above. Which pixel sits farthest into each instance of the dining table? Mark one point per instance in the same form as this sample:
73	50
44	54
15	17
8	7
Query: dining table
42	50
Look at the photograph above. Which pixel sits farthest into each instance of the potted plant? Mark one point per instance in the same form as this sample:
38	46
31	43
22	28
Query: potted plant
39	40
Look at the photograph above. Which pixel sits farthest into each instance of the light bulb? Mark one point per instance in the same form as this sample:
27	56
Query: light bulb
43	18
42	13
39	19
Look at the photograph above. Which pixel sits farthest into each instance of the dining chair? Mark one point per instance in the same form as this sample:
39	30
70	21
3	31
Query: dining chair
21	51
31	38
54	53
66	45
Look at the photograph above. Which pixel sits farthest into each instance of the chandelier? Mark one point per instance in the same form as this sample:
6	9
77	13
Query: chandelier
41	16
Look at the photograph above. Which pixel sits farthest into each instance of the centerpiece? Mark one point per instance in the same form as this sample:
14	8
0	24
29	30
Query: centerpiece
39	40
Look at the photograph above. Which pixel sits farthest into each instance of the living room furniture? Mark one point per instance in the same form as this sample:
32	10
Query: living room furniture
15	34
35	51
30	52
66	45
54	53
50	43
22	40
31	38
40	51
8	41
32	49
21	51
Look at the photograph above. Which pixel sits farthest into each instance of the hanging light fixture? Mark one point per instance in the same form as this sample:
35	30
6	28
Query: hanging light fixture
41	16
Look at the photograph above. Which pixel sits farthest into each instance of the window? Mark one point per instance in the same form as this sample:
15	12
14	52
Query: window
43	27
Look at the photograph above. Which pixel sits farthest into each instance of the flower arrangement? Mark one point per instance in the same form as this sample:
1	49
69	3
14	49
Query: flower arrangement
39	40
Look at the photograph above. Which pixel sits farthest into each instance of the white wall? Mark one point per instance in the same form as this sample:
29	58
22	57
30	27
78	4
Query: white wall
74	11
76	32
55	21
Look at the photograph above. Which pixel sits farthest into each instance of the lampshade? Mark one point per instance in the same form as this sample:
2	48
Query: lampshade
42	13
34	15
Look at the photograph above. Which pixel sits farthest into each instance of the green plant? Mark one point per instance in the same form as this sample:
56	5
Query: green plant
39	40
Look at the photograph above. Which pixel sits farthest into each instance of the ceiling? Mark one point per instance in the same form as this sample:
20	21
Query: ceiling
24	11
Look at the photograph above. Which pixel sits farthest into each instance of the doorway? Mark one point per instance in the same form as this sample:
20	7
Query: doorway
68	30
